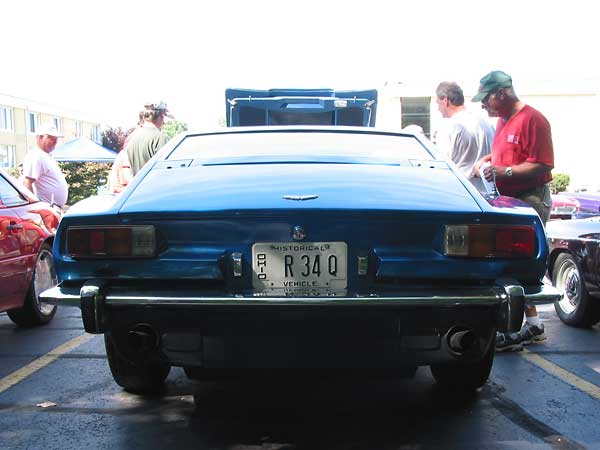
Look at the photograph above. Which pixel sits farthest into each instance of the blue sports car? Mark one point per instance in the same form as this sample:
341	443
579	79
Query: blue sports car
299	248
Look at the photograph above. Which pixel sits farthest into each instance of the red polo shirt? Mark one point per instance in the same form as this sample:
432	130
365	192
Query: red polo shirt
524	137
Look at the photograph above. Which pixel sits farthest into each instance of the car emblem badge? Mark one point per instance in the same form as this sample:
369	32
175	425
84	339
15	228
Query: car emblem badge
298	233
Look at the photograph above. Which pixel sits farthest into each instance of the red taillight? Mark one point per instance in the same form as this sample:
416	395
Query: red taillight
137	241
490	241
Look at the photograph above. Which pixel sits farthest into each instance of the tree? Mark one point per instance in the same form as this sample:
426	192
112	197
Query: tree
559	183
114	138
173	127
83	178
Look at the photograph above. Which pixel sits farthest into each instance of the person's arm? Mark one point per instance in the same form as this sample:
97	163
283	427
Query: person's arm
28	183
125	173
525	170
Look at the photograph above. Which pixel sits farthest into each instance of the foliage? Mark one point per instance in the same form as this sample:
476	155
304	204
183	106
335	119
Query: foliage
114	138
173	127
84	178
559	183
14	171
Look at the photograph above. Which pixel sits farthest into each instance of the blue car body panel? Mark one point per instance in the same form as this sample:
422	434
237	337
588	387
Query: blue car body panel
207	211
252	107
261	187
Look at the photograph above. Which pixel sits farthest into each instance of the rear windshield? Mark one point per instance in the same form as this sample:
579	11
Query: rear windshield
300	146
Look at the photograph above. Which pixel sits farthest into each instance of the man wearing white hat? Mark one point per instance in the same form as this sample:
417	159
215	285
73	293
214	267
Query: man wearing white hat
41	173
148	139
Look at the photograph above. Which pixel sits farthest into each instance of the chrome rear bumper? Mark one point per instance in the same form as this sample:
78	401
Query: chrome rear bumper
95	296
72	296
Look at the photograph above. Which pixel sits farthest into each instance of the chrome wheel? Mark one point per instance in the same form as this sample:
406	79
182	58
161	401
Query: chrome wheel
568	281
33	312
577	307
44	278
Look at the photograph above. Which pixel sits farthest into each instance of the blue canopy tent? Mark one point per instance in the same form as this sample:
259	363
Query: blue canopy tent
83	150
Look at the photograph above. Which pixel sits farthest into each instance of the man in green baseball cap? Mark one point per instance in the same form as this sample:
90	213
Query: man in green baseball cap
490	84
520	163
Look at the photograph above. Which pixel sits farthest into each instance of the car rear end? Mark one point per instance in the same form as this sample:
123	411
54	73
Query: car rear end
307	264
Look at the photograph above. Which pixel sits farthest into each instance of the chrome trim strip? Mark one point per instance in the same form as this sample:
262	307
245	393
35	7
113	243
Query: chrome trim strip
299	301
459	297
543	295
58	295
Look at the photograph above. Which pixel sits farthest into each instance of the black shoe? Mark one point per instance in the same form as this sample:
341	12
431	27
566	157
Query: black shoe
508	342
531	334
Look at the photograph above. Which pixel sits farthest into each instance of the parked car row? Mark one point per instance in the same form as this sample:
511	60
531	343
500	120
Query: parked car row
27	228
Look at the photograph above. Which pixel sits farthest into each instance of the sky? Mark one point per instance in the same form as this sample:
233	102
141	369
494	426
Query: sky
107	58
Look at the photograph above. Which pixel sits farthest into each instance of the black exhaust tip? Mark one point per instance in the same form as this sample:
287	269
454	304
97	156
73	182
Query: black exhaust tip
461	341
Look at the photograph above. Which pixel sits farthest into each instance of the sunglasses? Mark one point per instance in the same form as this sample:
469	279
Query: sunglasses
487	97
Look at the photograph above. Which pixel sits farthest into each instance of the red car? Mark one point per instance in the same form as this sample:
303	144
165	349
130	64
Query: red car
563	206
27	228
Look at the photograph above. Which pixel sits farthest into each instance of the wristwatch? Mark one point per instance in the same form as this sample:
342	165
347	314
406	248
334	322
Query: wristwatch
508	171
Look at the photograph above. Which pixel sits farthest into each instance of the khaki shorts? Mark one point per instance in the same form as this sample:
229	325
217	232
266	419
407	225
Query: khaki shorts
539	199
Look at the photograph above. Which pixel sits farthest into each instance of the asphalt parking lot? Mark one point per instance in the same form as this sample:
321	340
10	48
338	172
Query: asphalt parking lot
56	392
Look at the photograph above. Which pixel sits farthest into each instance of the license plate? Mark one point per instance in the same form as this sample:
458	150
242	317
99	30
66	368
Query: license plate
312	268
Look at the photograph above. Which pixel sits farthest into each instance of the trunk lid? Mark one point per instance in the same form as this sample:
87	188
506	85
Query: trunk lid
268	187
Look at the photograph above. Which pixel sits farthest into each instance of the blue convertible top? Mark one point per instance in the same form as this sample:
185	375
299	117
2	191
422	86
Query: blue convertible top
251	107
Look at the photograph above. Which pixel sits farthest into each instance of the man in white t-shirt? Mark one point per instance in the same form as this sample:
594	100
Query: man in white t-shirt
465	137
41	173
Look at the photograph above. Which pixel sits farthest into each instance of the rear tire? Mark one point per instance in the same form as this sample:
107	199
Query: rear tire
465	376
34	313
138	377
577	308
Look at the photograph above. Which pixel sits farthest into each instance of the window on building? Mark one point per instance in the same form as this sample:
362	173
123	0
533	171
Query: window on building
33	120
7	122
416	111
58	123
78	129
95	134
8	156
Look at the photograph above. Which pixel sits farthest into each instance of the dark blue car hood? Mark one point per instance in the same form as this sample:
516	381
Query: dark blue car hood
251	107
263	187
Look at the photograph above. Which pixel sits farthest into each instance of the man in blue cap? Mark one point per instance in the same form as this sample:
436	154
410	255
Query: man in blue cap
521	162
